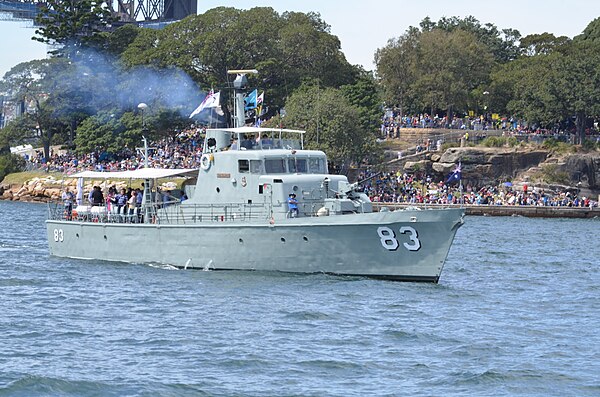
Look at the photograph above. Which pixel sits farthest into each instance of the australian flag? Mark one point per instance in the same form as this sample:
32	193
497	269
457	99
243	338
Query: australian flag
455	175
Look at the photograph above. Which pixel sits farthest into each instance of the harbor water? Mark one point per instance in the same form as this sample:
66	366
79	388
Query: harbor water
516	312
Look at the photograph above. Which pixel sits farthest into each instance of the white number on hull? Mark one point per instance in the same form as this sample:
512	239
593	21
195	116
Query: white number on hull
388	238
389	241
59	235
414	238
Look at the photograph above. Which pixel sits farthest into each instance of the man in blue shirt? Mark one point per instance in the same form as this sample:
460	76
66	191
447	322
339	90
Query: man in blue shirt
293	205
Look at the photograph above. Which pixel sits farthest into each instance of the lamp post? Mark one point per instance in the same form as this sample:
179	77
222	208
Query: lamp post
142	106
146	198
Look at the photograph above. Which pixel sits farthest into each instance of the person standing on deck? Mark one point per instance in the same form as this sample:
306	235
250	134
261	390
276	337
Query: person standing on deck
293	205
67	198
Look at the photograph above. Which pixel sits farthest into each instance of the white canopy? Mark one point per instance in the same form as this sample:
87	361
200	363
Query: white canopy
142	173
250	130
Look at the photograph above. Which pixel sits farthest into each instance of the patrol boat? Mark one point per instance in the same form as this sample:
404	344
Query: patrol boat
237	217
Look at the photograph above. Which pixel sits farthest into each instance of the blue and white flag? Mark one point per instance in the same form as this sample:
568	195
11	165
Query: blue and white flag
250	100
455	175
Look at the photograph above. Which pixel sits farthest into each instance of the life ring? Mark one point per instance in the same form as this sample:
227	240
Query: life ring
205	162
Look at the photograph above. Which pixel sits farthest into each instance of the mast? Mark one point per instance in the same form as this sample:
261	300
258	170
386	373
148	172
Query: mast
239	86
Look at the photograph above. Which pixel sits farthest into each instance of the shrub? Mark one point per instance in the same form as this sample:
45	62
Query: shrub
10	163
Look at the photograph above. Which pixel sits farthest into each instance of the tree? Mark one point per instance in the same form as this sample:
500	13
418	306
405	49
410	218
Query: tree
101	132
502	44
365	96
396	68
331	123
72	24
450	65
286	49
542	44
591	32
547	89
38	84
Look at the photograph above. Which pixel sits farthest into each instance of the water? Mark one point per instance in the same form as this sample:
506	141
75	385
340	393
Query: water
516	313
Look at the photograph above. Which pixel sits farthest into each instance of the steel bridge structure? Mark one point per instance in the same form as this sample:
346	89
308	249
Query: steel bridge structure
127	11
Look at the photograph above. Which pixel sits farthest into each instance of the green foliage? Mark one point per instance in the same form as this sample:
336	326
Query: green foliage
557	147
434	69
500	141
55	98
397	69
100	132
364	95
10	163
542	44
590	145
286	49
591	33
116	42
448	145
72	24
501	43
331	123
551	174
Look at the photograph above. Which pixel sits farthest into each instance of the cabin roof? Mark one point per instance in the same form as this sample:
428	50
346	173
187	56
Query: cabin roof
250	130
142	173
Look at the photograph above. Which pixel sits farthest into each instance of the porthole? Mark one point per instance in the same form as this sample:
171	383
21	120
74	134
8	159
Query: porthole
241	241
105	237
283	239
305	239
218	190
77	235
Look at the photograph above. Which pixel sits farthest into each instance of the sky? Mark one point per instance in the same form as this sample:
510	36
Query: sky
364	26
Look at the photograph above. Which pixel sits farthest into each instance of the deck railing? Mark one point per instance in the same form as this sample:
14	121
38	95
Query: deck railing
165	213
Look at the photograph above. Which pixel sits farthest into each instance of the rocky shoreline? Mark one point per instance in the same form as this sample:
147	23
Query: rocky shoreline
35	190
48	189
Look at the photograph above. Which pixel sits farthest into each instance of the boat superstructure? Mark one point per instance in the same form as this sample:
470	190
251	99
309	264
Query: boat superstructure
237	217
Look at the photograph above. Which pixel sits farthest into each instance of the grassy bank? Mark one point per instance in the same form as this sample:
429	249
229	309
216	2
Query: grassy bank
19	178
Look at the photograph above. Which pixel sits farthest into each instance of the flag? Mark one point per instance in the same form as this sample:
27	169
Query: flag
211	100
250	100
455	175
259	105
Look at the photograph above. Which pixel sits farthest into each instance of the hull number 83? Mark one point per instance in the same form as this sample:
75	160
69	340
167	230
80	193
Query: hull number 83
390	242
59	236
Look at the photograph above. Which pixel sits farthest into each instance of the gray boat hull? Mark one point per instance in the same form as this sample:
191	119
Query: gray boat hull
408	245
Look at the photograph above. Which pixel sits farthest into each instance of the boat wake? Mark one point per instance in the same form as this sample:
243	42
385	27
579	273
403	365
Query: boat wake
162	266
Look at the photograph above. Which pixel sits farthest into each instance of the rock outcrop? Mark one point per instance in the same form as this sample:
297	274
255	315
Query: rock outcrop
490	166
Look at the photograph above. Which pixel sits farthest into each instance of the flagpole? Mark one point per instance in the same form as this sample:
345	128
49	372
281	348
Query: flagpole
460	186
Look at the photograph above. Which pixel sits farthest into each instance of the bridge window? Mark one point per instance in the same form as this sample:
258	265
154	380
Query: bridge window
256	166
317	165
297	165
274	166
244	166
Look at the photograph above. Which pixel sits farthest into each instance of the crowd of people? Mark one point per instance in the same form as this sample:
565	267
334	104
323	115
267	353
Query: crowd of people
398	187
185	151
393	123
182	151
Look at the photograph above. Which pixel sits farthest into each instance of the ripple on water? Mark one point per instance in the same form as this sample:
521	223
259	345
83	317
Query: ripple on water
511	316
